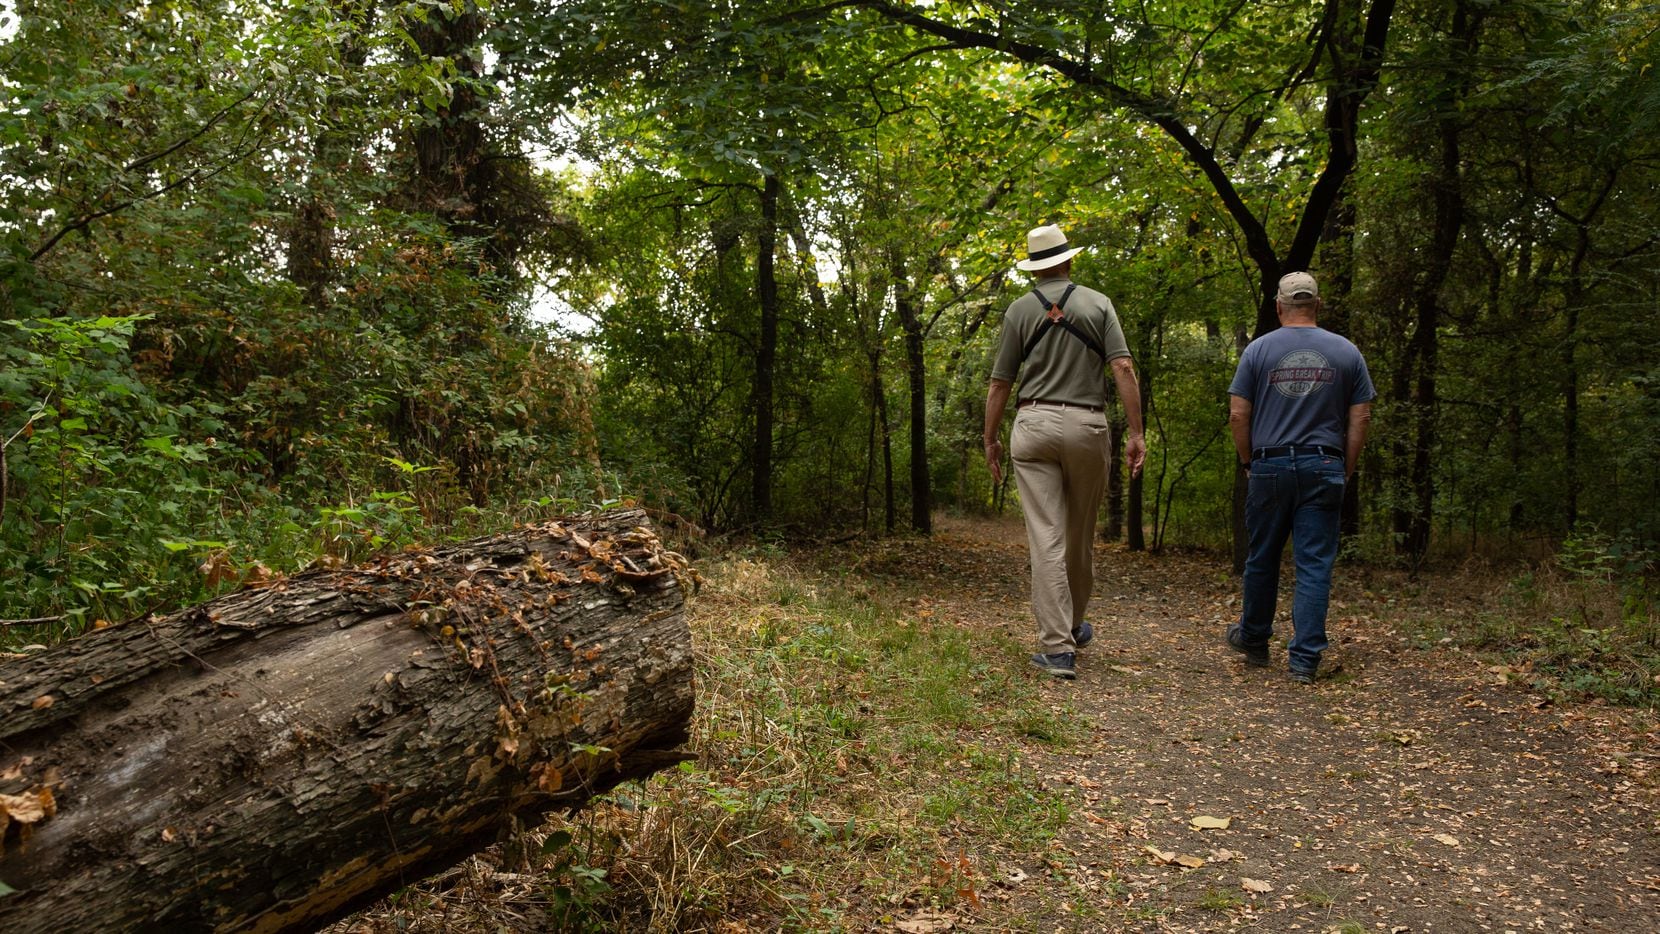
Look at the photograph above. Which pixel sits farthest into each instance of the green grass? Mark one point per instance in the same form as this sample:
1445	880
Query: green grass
1219	901
845	744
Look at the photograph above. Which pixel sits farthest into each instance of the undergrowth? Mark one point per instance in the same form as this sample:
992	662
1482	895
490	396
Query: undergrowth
857	761
1585	624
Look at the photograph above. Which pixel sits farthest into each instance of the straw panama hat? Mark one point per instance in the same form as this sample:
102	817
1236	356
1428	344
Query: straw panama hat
1046	246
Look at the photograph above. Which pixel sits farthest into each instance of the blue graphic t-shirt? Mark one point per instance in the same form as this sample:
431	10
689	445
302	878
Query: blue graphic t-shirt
1300	383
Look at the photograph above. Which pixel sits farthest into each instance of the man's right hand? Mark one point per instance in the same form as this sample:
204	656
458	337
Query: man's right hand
994	460
1135	453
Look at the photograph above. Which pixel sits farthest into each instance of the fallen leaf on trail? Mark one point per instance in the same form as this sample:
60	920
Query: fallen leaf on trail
1255	885
42	702
1446	838
1158	801
928	922
1222	856
1191	862
1014	876
1205	822
1122	670
1343	867
1162	857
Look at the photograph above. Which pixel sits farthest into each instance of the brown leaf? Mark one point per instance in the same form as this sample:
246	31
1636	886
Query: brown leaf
927	922
1343	867
1162	857
42	702
551	779
1206	822
1255	885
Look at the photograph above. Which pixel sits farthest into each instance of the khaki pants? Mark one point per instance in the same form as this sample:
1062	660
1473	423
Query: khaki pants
1060	465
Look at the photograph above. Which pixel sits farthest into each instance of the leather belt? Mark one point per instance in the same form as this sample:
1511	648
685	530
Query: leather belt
1292	450
1059	405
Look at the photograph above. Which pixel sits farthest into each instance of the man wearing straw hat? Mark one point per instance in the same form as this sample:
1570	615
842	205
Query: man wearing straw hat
1059	339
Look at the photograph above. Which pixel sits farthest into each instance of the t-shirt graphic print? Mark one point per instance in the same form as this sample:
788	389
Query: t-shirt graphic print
1301	373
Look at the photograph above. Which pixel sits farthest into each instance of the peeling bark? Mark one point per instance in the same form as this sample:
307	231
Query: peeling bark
275	758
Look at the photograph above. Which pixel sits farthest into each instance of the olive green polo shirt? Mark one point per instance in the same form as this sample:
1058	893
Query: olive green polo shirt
1061	368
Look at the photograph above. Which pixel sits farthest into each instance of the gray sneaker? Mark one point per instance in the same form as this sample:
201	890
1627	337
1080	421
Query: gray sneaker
1058	664
1302	675
1255	655
1082	634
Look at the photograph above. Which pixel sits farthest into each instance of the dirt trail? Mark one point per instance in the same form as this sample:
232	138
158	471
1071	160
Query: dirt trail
1408	792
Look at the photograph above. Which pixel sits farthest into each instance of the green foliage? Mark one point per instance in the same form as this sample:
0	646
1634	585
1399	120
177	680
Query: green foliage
233	324
268	276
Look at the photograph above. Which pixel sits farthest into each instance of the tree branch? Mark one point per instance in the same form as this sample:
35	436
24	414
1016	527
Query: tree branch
195	175
1161	112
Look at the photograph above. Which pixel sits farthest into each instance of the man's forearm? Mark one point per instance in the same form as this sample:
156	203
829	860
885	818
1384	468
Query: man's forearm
1239	424
1241	430
1360	420
1129	391
997	399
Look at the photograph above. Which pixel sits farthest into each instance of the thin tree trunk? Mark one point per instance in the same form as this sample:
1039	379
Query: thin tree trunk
1134	520
910	322
1118	426
766	353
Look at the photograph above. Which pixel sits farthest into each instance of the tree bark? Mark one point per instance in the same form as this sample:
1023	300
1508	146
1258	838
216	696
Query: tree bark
277	757
910	322
766	354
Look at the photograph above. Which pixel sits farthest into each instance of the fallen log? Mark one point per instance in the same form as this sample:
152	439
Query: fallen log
283	755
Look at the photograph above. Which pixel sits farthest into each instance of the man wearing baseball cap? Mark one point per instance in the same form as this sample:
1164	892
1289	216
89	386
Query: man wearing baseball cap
1059	339
1299	407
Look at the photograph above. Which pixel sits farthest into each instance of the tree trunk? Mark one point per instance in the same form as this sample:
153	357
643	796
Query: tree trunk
277	757
922	501
766	353
1135	519
1118	426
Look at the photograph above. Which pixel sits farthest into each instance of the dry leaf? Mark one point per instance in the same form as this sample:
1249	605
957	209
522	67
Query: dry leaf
928	922
1343	867
22	809
1222	856
42	702
1447	839
1191	862
1205	822
1255	885
551	779
1162	857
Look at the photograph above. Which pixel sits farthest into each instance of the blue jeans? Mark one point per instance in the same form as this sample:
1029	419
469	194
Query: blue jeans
1301	497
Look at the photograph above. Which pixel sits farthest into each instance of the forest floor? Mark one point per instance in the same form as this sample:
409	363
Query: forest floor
875	754
1409	789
